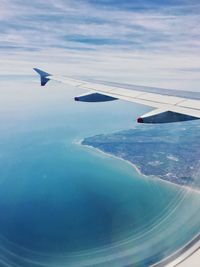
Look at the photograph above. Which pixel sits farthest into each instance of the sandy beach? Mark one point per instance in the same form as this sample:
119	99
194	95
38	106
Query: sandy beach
183	187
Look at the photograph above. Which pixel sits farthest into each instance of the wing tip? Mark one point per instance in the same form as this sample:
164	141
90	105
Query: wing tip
43	76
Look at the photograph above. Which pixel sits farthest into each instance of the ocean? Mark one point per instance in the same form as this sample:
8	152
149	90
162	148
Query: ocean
63	204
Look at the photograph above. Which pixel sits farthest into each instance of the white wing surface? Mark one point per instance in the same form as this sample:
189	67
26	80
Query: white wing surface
168	107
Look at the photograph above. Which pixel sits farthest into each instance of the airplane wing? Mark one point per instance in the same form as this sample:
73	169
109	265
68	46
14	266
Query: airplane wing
167	106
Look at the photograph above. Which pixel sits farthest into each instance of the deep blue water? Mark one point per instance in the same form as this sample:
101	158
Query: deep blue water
63	204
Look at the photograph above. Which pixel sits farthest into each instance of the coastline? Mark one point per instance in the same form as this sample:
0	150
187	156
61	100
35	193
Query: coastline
186	250
183	187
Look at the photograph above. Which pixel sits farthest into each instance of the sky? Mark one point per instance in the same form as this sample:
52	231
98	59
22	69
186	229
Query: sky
147	42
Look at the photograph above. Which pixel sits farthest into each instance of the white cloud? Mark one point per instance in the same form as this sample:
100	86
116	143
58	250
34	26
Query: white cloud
147	47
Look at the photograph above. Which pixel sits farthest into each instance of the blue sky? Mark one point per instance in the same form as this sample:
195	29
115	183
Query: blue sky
141	41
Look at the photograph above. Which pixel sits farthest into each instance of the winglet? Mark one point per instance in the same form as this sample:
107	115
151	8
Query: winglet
43	76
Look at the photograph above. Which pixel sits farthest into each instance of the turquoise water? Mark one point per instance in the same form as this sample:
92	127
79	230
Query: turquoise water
63	204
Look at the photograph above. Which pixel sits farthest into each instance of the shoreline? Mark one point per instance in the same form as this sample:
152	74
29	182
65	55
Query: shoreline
183	187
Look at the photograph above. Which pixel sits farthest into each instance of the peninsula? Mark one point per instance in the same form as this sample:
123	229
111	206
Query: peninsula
169	152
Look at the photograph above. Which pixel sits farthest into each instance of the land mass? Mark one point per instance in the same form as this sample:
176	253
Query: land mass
170	152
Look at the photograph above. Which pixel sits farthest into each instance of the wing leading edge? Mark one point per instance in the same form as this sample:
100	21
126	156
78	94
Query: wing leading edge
167	108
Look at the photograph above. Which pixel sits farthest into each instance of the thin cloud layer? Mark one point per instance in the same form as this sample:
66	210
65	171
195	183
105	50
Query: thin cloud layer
153	38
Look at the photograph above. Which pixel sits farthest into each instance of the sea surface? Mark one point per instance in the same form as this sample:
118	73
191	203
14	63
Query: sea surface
63	204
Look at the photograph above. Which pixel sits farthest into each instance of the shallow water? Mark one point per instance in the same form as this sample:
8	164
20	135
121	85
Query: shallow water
63	204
